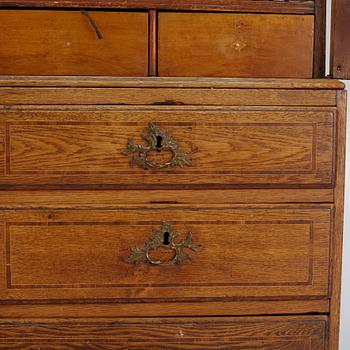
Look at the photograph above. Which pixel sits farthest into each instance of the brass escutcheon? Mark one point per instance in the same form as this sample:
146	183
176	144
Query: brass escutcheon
164	237
158	140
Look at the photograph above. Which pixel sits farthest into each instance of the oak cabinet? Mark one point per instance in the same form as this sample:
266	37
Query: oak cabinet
168	177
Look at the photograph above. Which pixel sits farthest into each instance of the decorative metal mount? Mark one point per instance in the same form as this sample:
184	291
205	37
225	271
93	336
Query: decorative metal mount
158	140
164	237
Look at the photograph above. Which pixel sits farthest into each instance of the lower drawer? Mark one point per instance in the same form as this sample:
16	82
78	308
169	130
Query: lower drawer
167	252
263	333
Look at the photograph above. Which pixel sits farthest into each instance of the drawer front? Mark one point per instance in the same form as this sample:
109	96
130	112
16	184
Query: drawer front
236	45
263	333
166	253
65	43
168	147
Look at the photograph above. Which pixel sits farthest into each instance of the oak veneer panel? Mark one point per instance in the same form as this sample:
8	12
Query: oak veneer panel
340	45
245	251
265	333
246	147
294	6
237	45
65	43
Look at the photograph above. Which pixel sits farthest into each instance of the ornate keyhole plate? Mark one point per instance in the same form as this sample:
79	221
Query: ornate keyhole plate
157	140
163	238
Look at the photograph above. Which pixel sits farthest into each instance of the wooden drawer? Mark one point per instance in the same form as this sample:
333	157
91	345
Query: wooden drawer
236	45
43	42
263	333
235	252
212	147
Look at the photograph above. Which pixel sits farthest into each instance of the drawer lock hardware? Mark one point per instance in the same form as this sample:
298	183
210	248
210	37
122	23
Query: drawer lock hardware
163	238
158	140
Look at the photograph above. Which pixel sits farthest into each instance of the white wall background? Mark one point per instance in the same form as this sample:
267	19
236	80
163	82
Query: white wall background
345	308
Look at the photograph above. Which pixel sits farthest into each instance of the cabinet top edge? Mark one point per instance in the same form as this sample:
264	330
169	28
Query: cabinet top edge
160	82
271	6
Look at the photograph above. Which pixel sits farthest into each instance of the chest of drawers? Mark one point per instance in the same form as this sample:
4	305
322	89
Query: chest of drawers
144	205
170	213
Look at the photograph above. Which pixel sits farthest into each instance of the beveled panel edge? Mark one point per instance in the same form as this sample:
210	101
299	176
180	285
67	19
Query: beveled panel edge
170	82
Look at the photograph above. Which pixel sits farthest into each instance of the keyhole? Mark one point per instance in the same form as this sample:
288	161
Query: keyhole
166	238
159	143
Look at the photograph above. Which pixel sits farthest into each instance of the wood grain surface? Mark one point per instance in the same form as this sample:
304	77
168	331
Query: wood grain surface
227	147
235	45
65	43
265	333
254	251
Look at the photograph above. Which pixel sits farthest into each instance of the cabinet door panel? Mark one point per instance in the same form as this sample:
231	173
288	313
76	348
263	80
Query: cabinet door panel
39	42
236	45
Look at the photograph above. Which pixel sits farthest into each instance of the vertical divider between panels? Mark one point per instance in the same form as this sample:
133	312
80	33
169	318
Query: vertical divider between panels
319	39
153	43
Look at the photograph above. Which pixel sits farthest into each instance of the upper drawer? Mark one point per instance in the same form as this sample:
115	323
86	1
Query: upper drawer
236	45
65	43
168	147
197	252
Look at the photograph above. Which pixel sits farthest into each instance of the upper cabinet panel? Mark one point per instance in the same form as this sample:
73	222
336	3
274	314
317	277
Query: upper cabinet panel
340	55
236	45
66	43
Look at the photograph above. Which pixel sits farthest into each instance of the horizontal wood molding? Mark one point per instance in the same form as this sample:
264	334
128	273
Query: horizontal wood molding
169	82
167	96
266	6
35	309
109	199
